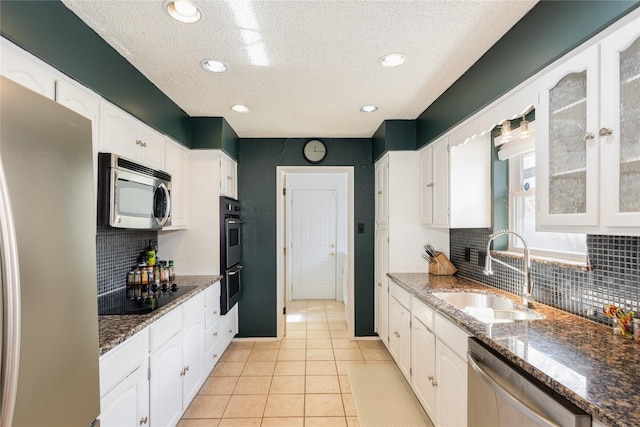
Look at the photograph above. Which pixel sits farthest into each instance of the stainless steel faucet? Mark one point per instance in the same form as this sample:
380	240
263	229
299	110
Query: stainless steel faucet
527	297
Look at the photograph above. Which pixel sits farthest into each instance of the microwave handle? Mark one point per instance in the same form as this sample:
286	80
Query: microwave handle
168	198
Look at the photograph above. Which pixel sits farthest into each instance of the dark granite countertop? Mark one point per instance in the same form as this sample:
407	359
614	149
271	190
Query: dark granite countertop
115	329
581	360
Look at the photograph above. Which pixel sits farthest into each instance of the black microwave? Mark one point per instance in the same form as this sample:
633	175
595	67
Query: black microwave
131	195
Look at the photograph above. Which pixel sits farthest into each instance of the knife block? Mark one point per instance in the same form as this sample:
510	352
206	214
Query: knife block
441	266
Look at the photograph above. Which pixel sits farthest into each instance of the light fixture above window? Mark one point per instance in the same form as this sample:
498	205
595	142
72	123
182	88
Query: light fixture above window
505	131
369	108
239	108
182	10
524	128
213	66
392	60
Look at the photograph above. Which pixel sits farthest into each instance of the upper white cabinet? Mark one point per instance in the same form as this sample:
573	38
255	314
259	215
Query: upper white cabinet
177	164
382	284
470	183
588	150
123	134
228	176
434	184
26	70
620	112
382	190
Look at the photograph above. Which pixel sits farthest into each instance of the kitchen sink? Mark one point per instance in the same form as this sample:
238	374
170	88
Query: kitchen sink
487	308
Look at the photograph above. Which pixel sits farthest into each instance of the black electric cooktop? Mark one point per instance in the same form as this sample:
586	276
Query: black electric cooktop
117	302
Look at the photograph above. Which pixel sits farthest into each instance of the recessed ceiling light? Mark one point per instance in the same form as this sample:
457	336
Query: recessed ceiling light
392	60
368	108
183	11
239	108
213	65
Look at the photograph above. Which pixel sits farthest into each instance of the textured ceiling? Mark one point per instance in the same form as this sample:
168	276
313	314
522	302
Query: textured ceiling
304	68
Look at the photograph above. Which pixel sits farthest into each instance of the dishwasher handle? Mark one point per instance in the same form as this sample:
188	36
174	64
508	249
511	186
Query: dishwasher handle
513	400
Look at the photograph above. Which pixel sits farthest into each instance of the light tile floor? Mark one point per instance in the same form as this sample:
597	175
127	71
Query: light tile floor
300	381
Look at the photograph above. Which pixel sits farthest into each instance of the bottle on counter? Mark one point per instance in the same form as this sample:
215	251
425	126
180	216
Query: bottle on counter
156	274
137	277
151	254
171	270
144	276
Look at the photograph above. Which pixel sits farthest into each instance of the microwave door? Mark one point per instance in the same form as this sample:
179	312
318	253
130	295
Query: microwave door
162	205
134	201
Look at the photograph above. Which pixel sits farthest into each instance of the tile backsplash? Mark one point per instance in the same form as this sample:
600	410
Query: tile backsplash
117	250
614	277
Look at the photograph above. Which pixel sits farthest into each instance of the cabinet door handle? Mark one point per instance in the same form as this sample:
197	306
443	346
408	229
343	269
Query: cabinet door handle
140	143
144	420
434	383
431	185
589	136
215	334
606	131
430	378
215	356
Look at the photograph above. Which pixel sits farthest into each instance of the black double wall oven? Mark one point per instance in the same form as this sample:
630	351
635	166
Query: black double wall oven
230	253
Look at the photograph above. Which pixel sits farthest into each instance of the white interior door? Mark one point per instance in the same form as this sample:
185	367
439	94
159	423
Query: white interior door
313	244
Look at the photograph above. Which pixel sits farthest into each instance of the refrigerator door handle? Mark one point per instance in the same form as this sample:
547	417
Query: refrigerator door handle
10	305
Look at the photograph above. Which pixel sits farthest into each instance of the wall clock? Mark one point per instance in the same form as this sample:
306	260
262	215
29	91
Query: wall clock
314	151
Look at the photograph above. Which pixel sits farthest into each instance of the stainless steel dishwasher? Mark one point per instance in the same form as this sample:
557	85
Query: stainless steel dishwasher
500	395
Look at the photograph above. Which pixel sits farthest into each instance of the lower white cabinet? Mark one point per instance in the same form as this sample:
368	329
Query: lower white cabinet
152	377
124	385
451	386
177	367
431	353
423	371
166	382
400	328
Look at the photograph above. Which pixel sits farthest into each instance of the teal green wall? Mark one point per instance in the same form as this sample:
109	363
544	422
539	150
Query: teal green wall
393	135
257	192
57	36
547	32
214	132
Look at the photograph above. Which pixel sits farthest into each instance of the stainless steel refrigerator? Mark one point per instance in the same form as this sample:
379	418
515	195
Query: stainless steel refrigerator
49	318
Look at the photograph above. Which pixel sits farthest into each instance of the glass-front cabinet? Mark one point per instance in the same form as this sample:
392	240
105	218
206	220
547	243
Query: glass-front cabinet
621	127
588	145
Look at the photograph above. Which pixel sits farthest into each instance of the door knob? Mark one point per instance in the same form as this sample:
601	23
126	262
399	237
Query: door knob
332	254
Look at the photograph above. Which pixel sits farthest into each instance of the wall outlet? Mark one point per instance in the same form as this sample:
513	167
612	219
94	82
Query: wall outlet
481	258
467	254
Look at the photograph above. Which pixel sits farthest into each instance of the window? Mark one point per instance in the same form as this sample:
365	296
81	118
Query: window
522	216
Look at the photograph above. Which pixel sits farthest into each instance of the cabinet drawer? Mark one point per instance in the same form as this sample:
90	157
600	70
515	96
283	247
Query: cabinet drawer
212	336
162	330
402	296
118	363
452	336
193	310
212	304
212	295
422	312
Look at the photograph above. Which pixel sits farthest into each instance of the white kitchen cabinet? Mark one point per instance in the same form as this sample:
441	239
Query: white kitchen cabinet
382	284
229	327
167	371
25	69
434	184
196	250
124	385
470	196
423	356
228	176
213	345
128	403
451	374
400	328
177	361
587	147
382	190
177	164
193	350
123	134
